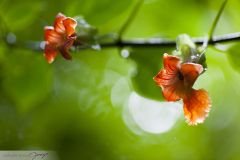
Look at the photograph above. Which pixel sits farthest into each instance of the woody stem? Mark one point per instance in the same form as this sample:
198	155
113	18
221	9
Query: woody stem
160	42
152	42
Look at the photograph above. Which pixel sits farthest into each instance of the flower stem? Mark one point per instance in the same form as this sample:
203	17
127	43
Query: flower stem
213	27
130	18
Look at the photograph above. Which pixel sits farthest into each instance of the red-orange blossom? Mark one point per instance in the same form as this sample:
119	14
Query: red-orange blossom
176	80
60	37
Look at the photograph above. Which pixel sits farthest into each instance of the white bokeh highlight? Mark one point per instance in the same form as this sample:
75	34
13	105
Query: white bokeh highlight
125	53
151	116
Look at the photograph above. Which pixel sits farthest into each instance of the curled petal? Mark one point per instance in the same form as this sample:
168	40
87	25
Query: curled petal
196	106
169	84
171	63
58	23
69	25
50	53
190	72
168	79
51	36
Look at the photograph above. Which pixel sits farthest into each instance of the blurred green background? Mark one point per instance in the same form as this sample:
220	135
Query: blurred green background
81	108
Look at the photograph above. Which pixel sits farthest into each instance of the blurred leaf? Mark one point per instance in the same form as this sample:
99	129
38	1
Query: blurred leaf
91	7
148	62
233	54
106	15
20	15
26	78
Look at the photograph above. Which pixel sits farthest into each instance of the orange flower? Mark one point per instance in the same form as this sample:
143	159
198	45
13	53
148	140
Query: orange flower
59	37
176	81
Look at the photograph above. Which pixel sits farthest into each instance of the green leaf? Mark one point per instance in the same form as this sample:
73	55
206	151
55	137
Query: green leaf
106	15
148	63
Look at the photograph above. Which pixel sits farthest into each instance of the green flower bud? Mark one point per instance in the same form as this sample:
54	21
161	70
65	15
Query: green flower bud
86	34
189	51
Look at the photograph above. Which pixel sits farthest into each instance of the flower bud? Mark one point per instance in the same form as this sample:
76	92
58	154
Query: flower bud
190	52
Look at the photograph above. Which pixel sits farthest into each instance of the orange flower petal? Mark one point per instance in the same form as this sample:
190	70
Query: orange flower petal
52	37
168	79
170	93
190	72
69	25
50	53
171	63
58	23
196	106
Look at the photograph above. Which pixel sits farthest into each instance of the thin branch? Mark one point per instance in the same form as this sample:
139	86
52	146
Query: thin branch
152	42
216	20
159	42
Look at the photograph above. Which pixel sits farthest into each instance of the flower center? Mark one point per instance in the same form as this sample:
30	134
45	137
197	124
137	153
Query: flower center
180	76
